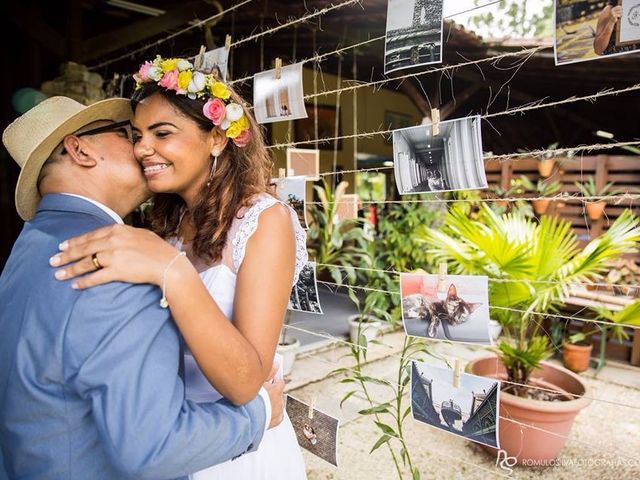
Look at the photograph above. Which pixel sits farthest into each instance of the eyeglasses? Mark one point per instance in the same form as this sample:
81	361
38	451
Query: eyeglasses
124	127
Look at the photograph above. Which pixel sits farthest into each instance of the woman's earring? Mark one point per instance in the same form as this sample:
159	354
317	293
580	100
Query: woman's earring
214	165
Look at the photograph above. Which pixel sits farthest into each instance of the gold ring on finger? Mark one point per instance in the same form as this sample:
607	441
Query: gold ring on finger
96	262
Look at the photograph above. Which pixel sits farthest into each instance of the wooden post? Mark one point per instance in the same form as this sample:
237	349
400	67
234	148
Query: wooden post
602	173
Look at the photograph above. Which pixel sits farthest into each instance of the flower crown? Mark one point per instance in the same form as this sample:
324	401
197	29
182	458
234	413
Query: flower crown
178	74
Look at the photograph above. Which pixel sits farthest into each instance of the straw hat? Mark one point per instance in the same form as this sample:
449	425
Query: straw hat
33	136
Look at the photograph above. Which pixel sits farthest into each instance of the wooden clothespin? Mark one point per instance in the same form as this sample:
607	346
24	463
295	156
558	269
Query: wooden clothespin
457	373
442	277
203	49
227	42
312	406
282	173
435	122
278	68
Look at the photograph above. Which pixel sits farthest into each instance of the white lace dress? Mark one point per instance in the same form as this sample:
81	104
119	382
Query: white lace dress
278	457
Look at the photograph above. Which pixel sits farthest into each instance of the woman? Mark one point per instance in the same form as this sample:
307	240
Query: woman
204	157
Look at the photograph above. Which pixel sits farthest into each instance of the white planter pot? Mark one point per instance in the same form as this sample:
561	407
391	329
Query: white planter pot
370	329
495	329
288	353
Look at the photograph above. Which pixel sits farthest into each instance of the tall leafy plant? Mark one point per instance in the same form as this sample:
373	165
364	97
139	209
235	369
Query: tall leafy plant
533	265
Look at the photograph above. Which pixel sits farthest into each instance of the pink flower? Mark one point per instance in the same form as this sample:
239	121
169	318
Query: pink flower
214	110
243	139
170	80
143	73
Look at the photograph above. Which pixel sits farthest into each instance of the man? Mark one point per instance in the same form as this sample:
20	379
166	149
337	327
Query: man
89	384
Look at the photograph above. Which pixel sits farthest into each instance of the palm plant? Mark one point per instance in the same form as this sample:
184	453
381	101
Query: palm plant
334	241
532	266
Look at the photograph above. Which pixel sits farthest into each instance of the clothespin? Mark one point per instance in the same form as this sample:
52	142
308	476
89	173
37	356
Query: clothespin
435	122
457	373
282	173
442	277
203	49
312	406
197	62
278	68
227	42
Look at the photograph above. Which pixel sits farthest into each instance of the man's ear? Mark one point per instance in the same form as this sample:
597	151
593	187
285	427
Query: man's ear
79	151
218	141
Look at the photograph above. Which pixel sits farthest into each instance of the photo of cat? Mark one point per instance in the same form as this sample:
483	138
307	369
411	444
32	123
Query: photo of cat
458	313
451	160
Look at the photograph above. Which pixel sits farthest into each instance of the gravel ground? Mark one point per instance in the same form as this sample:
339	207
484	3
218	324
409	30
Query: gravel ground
604	442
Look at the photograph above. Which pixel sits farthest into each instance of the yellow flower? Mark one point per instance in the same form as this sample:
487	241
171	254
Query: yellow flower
220	90
169	64
184	78
234	130
243	122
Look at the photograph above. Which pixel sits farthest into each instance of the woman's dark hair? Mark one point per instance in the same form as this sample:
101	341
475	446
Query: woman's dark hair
241	173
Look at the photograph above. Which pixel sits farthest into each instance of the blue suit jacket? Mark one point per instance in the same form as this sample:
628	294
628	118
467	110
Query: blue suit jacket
89	381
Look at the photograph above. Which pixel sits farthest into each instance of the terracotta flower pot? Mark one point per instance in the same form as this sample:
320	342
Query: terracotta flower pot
541	206
576	357
534	430
545	167
595	210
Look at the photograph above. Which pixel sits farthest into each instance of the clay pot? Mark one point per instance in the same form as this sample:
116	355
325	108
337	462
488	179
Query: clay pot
541	206
288	351
534	430
595	210
545	167
576	356
370	327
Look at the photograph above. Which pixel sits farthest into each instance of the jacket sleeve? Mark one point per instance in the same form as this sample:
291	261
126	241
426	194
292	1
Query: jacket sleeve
123	356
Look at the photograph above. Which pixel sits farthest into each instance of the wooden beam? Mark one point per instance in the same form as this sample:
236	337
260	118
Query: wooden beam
459	100
178	15
417	97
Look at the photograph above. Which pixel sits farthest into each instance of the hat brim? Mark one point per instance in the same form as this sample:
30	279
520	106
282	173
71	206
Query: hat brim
27	195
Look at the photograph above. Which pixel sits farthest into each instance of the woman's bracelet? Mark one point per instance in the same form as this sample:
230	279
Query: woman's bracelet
164	303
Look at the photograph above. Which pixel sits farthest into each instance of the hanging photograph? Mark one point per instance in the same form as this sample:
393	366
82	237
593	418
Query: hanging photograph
593	29
347	208
303	162
454	309
469	410
278	99
217	59
413	35
304	295
316	431
292	190
452	160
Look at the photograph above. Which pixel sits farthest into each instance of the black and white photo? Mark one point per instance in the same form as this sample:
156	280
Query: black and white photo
413	35
292	190
304	295
305	162
454	308
316	431
217	59
451	160
277	99
469	410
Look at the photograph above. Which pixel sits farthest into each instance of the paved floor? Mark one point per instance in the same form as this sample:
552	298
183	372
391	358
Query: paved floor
604	442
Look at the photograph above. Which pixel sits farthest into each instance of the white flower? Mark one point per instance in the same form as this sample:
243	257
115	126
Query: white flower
184	64
155	73
234	112
197	83
226	123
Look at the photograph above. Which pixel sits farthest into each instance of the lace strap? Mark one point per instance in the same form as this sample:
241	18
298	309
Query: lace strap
250	224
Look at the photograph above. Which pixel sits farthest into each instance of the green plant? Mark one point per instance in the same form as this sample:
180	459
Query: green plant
589	188
516	189
531	265
337	242
541	187
629	315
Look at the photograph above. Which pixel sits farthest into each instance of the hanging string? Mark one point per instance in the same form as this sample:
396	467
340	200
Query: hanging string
494	280
339	340
169	37
320	58
516	310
